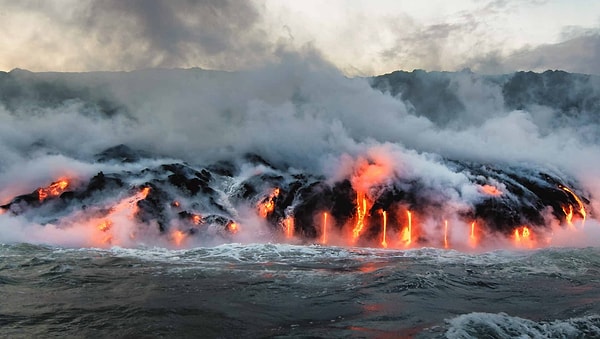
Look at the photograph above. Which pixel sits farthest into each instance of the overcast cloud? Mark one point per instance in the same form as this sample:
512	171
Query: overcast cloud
359	37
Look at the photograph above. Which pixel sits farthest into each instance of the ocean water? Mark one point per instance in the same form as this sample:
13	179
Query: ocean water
291	291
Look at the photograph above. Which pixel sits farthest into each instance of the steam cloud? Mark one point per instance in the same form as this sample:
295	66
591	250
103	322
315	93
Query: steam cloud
301	114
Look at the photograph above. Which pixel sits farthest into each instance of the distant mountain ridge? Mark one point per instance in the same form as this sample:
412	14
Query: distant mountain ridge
440	96
434	94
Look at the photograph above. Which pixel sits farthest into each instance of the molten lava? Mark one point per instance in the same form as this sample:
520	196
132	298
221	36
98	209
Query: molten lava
289	227
144	193
445	233
361	211
581	207
233	228
267	206
473	236
407	232
383	241
54	190
523	236
569	215
197	219
105	225
125	208
324	231
178	237
490	190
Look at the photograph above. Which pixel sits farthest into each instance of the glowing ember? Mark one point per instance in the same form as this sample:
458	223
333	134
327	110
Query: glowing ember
144	193
268	204
490	190
445	233
383	242
361	211
178	237
175	204
105	225
324	231
289	227
197	219
54	190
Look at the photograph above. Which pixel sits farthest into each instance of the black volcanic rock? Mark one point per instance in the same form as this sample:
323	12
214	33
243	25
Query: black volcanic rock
101	182
179	192
435	95
121	153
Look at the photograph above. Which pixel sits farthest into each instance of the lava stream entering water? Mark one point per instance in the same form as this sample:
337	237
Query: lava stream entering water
289	227
581	207
407	232
445	233
324	229
383	240
361	211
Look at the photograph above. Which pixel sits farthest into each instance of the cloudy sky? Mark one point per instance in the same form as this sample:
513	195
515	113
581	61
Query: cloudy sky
360	37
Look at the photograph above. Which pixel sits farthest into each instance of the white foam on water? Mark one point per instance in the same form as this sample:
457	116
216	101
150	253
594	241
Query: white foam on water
502	325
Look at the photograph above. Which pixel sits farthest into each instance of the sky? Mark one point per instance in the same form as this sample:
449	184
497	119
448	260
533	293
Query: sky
358	37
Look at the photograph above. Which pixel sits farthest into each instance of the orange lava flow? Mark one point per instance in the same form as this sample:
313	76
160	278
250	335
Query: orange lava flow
324	229
54	190
407	232
197	219
569	215
524	237
445	233
289	227
144	193
124	208
361	211
178	237
233	228
581	210
383	241
490	190
105	225
268	204
473	236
